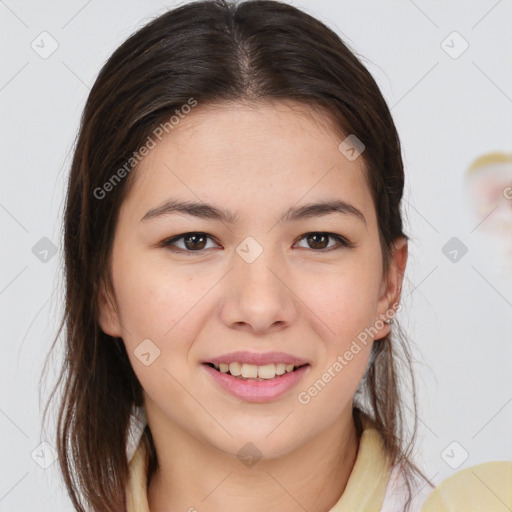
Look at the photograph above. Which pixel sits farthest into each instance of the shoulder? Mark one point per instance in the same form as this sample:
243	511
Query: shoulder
479	488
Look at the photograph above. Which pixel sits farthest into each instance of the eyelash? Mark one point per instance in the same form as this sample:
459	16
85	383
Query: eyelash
344	243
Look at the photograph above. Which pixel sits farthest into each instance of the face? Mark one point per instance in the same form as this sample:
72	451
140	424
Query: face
257	271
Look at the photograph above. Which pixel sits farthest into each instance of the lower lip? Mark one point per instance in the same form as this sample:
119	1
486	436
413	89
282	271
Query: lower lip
257	391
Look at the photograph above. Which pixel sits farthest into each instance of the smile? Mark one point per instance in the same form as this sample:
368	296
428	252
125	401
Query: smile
255	383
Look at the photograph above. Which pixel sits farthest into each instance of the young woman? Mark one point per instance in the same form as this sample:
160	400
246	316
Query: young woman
234	258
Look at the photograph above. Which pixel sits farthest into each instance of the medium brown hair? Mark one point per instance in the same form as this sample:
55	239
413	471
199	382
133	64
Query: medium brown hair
212	51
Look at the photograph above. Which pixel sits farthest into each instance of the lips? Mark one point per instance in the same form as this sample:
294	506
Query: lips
259	377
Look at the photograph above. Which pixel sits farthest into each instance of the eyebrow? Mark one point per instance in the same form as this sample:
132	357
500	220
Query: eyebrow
211	212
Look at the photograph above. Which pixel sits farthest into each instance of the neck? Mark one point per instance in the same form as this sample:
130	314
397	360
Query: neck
194	476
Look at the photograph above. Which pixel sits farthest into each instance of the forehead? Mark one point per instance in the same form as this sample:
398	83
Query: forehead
255	155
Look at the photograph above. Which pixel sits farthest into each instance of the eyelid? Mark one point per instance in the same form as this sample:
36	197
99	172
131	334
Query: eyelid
342	241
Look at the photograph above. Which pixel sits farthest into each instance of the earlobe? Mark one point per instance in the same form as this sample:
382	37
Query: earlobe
108	316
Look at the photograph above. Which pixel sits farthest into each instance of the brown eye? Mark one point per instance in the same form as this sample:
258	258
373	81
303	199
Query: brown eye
190	242
319	241
195	241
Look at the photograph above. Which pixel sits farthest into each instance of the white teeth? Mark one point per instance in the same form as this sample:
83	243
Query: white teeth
280	368
249	371
252	371
267	372
235	369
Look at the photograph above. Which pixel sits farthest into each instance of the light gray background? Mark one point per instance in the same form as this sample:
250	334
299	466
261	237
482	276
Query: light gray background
448	111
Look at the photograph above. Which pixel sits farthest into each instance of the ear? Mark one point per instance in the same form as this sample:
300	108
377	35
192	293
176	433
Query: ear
108	311
391	287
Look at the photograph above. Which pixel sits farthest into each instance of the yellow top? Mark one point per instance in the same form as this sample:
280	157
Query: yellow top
486	487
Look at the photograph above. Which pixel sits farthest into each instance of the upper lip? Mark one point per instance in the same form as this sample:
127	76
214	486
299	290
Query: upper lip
258	359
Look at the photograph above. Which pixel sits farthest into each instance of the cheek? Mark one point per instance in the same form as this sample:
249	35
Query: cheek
153	302
350	309
346	301
348	306
159	314
331	388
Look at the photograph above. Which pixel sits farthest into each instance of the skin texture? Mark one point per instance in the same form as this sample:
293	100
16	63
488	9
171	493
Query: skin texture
257	160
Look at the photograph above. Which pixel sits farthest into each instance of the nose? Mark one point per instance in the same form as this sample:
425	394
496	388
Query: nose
258	296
